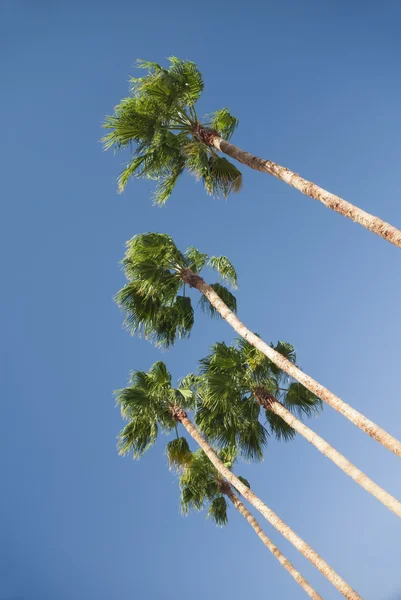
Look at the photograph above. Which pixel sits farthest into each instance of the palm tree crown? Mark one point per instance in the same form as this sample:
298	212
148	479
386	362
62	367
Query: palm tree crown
154	299
159	123
234	383
150	403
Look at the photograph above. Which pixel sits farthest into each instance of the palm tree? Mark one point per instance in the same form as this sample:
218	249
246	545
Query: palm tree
202	486
159	122
237	381
156	271
150	403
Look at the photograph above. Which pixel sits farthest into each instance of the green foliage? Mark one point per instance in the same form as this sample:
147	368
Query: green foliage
228	408
202	486
178	453
218	511
225	268
196	259
301	401
151	299
146	404
225	294
224	123
244	481
159	125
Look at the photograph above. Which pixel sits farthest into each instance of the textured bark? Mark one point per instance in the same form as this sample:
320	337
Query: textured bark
272	547
338	459
286	531
372	223
375	432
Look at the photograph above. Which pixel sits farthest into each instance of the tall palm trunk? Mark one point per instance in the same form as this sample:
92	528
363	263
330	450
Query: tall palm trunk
270	403
376	432
372	223
339	583
269	544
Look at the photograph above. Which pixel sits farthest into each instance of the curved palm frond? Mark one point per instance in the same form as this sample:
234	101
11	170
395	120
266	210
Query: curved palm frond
225	294
225	268
201	486
178	453
301	401
218	511
223	122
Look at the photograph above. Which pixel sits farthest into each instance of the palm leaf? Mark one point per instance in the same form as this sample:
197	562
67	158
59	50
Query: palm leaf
178	453
223	122
223	177
279	428
224	294
225	269
301	401
218	511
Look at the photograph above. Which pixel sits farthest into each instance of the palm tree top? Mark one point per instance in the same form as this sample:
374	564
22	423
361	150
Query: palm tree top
155	299
150	403
159	124
233	381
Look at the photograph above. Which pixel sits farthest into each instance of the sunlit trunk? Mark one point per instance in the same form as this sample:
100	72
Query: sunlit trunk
376	432
272	547
284	529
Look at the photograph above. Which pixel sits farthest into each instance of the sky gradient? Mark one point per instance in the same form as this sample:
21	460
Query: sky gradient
316	87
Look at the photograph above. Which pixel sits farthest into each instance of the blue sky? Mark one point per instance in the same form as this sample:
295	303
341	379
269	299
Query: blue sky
316	86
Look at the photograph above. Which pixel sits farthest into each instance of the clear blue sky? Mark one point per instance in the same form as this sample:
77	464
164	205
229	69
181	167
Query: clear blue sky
316	86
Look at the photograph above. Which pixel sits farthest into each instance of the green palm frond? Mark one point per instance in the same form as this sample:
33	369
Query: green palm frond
286	350
189	382
178	453
133	168
225	269
301	401
153	248
185	397
189	499
161	323
159	374
279	428
196	260
167	184
132	123
190	79
244	481
222	178
223	122
137	437
132	400
225	295
233	427
218	511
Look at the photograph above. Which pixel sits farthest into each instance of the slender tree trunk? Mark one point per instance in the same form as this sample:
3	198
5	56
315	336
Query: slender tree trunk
286	531
376	432
272	547
374	224
338	459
